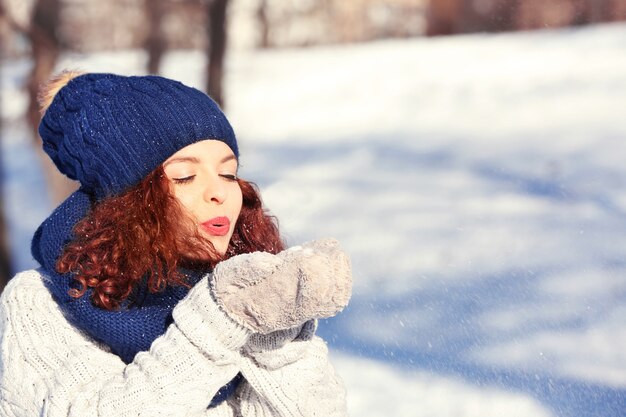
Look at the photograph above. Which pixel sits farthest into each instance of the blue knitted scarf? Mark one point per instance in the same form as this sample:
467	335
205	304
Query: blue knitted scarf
127	331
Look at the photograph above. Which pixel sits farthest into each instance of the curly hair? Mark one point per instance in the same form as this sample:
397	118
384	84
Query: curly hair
127	238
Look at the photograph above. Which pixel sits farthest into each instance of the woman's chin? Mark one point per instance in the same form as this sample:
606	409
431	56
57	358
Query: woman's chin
210	254
220	244
205	248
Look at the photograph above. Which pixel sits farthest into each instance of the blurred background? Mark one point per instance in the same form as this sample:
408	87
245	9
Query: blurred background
469	154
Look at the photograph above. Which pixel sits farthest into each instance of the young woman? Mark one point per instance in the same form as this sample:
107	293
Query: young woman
164	287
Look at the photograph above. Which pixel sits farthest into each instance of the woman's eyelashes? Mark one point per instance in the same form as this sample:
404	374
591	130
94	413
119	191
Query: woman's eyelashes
230	177
183	180
190	178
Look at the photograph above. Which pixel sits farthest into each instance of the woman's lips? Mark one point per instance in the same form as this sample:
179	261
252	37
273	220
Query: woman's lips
218	226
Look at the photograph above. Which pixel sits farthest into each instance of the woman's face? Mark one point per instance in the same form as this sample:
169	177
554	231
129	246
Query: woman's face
203	177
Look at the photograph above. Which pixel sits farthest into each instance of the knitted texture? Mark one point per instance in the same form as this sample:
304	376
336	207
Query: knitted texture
109	131
266	292
167	353
126	331
48	367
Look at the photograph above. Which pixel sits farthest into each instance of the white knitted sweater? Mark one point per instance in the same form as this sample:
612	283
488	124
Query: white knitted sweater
48	368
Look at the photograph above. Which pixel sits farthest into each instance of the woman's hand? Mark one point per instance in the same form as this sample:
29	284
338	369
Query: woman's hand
266	292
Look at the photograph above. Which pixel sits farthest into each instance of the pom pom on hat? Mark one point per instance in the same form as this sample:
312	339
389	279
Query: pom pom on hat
109	131
50	89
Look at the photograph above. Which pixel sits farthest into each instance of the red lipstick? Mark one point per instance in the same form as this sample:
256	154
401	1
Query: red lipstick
218	226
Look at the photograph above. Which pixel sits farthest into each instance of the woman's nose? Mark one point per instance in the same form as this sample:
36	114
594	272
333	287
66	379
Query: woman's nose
215	191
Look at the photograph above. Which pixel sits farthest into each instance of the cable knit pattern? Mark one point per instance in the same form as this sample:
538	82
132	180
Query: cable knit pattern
304	365
109	131
51	369
126	331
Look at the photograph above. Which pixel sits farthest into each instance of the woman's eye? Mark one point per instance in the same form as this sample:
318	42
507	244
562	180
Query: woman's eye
231	177
183	180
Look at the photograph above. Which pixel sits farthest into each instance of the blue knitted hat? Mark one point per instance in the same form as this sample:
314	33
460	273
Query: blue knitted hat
109	131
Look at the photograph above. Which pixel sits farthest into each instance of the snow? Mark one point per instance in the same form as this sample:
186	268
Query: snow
379	390
479	185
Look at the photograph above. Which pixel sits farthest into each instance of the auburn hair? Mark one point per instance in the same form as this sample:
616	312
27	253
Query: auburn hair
133	239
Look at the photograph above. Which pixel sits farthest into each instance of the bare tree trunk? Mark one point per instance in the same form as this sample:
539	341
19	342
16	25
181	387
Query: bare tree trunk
155	43
45	51
6	271
503	16
5	264
216	49
581	12
444	17
45	45
264	25
599	10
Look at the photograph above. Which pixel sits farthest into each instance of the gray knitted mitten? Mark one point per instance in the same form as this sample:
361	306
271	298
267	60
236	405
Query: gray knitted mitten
266	292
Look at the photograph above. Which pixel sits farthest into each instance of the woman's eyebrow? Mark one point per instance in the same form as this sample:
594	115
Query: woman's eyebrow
227	158
192	159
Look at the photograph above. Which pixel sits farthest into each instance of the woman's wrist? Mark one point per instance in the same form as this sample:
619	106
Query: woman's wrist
204	322
273	341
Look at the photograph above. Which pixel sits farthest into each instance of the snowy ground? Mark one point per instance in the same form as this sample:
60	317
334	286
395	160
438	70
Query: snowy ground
479	183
